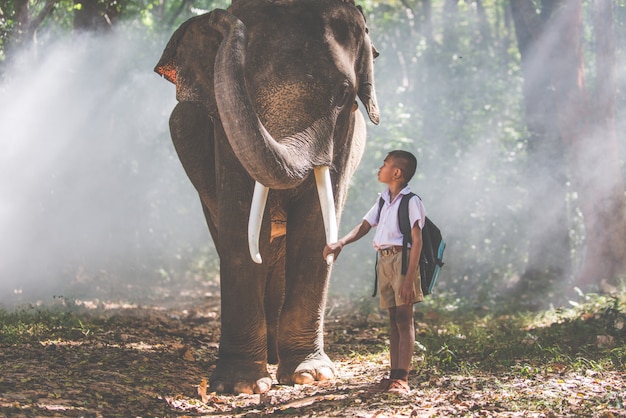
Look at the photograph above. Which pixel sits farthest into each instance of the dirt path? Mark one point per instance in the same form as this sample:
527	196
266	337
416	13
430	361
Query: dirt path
151	363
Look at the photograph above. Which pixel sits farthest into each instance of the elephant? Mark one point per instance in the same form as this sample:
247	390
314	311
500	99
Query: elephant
268	130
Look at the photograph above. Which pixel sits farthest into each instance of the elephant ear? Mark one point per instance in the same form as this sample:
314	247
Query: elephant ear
188	60
367	92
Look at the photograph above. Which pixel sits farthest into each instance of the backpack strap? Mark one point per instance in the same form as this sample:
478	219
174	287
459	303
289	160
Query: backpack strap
375	276
405	228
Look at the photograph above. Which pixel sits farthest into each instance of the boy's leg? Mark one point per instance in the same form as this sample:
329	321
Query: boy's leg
406	337
402	340
401	326
386	275
394	338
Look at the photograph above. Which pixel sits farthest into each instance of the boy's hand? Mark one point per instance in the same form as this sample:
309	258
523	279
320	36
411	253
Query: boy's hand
333	248
407	290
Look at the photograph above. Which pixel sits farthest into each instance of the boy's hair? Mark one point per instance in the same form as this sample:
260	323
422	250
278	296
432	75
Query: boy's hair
406	162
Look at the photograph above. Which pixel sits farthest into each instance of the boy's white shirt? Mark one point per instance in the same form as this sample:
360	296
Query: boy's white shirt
388	229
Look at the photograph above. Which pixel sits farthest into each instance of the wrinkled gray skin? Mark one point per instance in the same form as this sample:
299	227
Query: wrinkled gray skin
267	92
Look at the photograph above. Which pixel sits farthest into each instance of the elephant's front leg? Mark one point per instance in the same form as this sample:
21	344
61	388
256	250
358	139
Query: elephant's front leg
242	362
301	339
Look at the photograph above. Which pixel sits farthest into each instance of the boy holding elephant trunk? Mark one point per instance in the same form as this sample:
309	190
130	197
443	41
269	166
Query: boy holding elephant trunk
398	292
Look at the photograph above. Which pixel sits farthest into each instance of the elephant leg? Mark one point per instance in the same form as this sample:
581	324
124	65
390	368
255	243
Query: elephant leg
301	339
242	359
243	352
193	136
210	221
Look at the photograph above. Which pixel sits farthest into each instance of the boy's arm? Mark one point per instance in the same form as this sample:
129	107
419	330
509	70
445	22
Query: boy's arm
407	290
357	233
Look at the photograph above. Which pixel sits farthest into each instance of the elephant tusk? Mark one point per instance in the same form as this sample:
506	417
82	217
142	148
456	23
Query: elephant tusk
327	203
259	200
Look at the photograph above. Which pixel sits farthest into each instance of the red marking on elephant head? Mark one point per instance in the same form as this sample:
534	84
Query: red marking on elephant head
168	71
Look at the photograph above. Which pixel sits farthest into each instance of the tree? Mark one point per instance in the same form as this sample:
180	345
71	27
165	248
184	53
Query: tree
610	217
19	22
549	245
591	141
96	15
557	103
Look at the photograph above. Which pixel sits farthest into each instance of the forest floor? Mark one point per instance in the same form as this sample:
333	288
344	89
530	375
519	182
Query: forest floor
91	358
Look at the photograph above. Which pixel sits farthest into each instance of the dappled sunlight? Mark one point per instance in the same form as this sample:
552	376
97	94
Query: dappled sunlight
465	362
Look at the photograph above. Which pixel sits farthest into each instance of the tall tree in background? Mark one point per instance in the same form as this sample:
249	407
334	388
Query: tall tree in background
552	41
587	124
20	22
609	219
549	247
96	15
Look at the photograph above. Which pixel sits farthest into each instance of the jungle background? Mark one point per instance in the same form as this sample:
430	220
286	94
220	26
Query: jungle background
515	110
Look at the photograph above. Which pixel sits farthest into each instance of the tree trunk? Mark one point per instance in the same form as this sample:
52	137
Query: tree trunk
450	11
17	36
427	21
614	213
26	25
590	138
549	243
590	133
92	15
483	25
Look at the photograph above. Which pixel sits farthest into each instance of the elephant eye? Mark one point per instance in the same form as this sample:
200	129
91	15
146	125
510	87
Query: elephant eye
343	94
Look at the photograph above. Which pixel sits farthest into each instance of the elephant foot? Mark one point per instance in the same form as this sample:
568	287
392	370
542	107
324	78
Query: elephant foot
240	377
316	367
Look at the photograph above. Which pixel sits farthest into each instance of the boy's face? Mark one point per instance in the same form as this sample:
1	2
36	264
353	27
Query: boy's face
388	172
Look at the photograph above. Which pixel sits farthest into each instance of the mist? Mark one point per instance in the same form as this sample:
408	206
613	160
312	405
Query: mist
94	202
91	190
463	117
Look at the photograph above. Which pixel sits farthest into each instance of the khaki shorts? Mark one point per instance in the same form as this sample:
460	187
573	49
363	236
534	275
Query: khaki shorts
390	279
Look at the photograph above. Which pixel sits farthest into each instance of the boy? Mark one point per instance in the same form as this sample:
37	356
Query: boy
398	292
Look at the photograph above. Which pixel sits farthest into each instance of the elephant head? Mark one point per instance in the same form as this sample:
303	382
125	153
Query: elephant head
323	57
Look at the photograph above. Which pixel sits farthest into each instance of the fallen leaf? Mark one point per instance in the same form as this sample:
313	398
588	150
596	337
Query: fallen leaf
202	391
188	355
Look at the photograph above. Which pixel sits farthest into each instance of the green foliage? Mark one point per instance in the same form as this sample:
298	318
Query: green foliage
38	324
152	16
588	336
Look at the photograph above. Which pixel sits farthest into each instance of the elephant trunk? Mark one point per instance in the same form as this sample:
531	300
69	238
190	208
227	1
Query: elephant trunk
278	164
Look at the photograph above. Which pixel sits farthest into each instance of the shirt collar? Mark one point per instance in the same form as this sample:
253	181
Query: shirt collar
386	194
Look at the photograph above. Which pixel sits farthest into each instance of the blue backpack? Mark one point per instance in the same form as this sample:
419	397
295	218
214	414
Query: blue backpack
433	245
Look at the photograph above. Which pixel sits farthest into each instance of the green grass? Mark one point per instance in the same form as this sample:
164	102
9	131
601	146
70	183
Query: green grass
585	336
33	324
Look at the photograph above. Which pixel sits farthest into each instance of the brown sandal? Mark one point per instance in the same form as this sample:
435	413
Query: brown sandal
398	386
